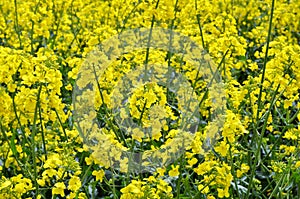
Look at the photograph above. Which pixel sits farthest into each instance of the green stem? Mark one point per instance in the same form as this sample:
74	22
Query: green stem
232	169
257	152
61	124
285	127
83	178
259	105
42	131
34	132
200	27
180	176
17	28
12	146
59	120
148	43
109	121
113	179
32	29
127	17
211	81
18	119
265	60
57	23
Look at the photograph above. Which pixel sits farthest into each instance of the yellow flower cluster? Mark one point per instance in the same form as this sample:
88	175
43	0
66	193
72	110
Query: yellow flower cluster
44	45
150	188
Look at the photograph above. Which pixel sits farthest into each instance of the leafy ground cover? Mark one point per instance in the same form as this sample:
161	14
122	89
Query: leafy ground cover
254	154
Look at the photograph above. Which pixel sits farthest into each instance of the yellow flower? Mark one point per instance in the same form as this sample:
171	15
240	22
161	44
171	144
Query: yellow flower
99	175
192	162
203	189
69	87
50	173
89	160
210	197
297	165
59	189
287	149
223	193
161	171
82	196
137	134
74	183
222	148
20	188
4	185
53	161
244	168
151	179
174	171
133	190
203	168
163	186
41	182
150	97
290	135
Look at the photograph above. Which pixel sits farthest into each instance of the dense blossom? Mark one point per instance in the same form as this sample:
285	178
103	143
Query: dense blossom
43	45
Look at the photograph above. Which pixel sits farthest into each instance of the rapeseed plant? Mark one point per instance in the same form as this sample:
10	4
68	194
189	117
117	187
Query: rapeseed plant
246	147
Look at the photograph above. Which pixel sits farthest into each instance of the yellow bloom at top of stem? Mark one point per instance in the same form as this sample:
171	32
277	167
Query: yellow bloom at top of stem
223	193
99	175
174	171
133	190
74	183
59	189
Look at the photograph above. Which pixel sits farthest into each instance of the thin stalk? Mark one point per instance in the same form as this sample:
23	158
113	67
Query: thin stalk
110	123
210	83
32	29
142	113
58	22
113	179
284	128
42	131
199	191
200	27
61	124
232	169
17	28
83	178
265	60
18	119
127	17
257	152
259	104
180	175
214	76
33	145
12	146
148	43
171	33
170	42
59	120
285	177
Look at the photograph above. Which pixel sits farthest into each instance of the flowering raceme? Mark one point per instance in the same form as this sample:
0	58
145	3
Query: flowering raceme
131	123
